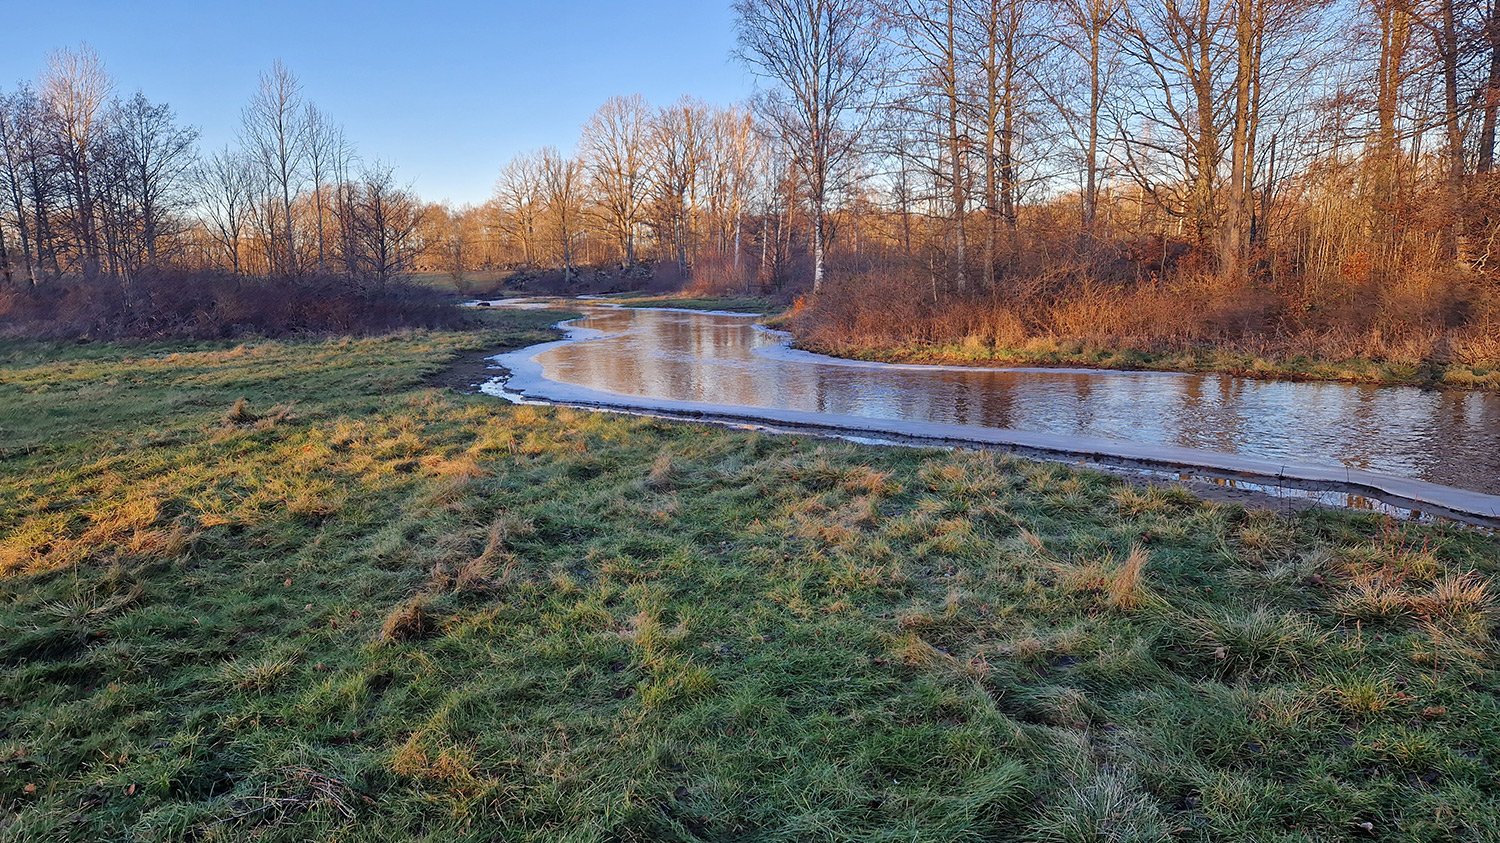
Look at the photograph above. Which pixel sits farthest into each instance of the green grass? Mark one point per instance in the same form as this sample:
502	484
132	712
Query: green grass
738	304
1047	352
474	282
354	608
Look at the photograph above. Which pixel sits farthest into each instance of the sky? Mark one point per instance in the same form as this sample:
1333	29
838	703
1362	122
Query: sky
447	91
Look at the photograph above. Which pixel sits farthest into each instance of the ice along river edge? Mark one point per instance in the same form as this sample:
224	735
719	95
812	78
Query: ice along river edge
527	380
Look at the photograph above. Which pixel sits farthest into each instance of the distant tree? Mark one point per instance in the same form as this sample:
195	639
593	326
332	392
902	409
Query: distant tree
563	194
157	157
679	146
275	134
821	55
614	146
324	143
519	202
385	220
75	90
41	174
17	112
731	170
225	191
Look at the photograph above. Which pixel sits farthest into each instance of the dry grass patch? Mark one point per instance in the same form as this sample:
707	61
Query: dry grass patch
410	620
661	475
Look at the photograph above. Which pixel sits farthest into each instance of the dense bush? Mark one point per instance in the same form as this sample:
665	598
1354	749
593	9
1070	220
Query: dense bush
1415	320
645	277
210	305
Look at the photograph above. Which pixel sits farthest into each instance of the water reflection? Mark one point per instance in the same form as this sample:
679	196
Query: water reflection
1446	437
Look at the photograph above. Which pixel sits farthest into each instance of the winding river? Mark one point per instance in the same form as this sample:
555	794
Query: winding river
1436	448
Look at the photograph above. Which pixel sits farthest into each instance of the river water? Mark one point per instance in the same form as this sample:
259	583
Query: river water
703	362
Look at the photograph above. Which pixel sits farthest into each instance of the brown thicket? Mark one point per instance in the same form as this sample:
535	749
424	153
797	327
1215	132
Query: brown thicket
181	304
1277	177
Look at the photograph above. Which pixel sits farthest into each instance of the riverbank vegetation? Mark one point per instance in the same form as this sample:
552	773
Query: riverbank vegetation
1147	328
1303	191
172	304
284	591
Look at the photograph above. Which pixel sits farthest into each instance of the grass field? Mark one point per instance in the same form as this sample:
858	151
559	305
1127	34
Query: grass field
284	591
687	301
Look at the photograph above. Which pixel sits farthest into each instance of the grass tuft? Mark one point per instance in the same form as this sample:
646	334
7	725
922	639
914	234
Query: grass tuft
410	620
240	413
1127	589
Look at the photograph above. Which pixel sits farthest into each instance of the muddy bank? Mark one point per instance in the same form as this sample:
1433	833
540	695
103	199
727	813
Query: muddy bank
467	372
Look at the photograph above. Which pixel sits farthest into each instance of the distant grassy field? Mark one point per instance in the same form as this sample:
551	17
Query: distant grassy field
468	283
739	304
284	591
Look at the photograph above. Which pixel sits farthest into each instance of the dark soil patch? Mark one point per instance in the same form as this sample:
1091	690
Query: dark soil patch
467	372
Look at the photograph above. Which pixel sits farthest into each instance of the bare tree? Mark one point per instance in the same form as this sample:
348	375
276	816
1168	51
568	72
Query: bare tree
562	194
225	192
519	202
929	32
17	111
342	158
1084	33
42	175
614	145
157	156
76	89
1174	149
275	134
679	145
731	166
323	140
820	54
384	220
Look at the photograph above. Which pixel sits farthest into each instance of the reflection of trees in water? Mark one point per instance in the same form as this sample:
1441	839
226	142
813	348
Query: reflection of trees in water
1446	437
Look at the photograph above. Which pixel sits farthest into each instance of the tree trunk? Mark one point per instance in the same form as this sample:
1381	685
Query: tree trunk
5	258
817	240
955	154
1448	52
1091	156
1491	90
1235	229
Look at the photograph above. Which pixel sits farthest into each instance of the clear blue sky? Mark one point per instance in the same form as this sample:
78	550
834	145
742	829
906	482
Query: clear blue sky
445	90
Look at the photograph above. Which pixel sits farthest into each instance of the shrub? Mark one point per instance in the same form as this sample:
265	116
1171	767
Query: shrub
213	305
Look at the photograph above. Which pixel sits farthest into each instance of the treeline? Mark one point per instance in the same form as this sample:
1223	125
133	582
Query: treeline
94	185
1122	171
687	188
1154	172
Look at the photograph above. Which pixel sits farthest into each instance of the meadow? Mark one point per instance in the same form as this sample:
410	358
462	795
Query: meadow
286	590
